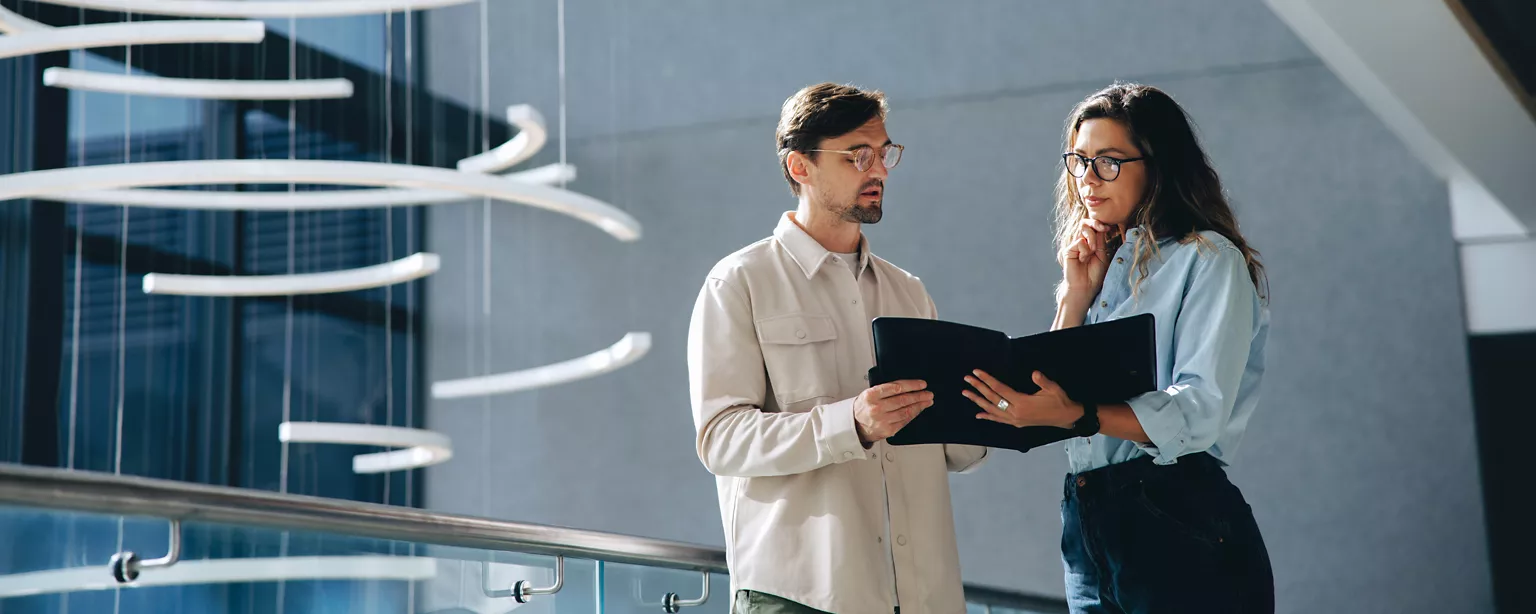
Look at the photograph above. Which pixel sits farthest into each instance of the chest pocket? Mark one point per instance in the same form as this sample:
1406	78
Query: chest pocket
799	350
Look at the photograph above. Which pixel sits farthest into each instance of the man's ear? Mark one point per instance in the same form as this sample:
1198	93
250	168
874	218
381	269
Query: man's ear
799	167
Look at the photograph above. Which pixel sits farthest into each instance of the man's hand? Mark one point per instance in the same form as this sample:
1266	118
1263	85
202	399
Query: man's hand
882	410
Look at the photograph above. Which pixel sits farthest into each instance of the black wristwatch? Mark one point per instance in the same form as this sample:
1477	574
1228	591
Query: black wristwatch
1088	425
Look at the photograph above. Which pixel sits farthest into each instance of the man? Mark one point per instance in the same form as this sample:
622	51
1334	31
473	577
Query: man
820	513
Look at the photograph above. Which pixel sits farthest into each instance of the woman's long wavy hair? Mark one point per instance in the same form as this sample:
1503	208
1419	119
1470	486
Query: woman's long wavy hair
1184	195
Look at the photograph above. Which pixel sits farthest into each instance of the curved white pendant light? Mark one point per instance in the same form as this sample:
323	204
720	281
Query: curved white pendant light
531	136
403	270
259	8
225	571
206	89
11	23
292	201
69	38
549	174
628	350
55	182
421	447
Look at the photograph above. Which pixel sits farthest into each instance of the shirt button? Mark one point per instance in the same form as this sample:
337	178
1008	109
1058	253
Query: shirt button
901	540
879	540
1081	481
1119	261
855	301
890	457
1104	304
847	455
800	334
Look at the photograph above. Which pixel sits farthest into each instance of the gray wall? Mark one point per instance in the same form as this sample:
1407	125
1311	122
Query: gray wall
1360	464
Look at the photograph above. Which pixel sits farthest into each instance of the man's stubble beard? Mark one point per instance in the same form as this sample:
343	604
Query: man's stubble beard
853	212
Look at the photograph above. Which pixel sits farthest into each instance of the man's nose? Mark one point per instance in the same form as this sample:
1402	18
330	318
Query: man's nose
877	169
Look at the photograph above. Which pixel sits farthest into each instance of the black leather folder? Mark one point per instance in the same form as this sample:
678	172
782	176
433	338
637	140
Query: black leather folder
1109	362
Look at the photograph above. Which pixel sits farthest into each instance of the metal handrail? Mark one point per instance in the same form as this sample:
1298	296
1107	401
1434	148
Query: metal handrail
103	493
86	491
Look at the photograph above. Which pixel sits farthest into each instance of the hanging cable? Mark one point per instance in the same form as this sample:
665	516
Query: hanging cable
122	305
293	70
389	233
560	69
485	253
74	359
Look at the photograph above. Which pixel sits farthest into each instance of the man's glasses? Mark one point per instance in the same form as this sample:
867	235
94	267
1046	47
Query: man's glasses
1106	167
864	155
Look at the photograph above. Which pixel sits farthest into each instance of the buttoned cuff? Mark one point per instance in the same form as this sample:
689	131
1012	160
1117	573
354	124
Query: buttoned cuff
1164	424
841	438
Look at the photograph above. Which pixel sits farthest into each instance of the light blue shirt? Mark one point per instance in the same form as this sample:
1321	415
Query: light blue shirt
1211	331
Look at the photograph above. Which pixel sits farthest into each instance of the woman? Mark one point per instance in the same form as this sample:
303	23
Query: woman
1150	522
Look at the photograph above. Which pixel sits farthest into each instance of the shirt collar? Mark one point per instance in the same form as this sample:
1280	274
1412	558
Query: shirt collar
806	251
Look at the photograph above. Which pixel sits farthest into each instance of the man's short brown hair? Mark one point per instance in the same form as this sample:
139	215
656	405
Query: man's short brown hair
820	112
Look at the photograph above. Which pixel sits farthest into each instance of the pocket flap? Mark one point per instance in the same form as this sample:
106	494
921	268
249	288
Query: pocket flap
796	329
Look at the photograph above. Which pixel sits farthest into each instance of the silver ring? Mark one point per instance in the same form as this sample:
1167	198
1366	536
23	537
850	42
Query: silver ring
1003	405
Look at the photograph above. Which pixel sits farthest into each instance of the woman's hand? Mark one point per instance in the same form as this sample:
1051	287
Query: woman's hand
1049	407
1084	262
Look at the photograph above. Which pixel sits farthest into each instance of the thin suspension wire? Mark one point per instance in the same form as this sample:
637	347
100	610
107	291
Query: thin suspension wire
288	316
389	232
122	305
410	237
485	250
293	70
485	145
410	290
122	288
560	60
74	358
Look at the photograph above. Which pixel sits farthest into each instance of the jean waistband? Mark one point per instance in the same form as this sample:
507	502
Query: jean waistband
1105	480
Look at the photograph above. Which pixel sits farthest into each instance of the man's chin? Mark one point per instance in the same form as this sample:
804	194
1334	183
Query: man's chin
865	214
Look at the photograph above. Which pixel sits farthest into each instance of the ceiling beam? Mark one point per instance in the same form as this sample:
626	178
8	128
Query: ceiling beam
1429	78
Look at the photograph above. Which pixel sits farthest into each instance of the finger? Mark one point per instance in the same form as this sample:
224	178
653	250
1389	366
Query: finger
1098	243
900	387
910	412
995	384
1045	383
994	418
1094	224
899	402
988	407
983	388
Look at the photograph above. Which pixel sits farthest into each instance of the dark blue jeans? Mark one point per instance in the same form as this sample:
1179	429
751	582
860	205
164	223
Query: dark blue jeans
1139	538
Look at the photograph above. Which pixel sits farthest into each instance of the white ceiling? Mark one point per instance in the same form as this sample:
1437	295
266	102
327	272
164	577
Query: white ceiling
1423	73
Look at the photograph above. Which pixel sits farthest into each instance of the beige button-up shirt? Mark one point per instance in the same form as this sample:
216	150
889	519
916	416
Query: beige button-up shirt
778	347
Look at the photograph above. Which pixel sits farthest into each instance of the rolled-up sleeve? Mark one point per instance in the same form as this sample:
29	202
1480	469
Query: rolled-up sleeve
1212	337
727	385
